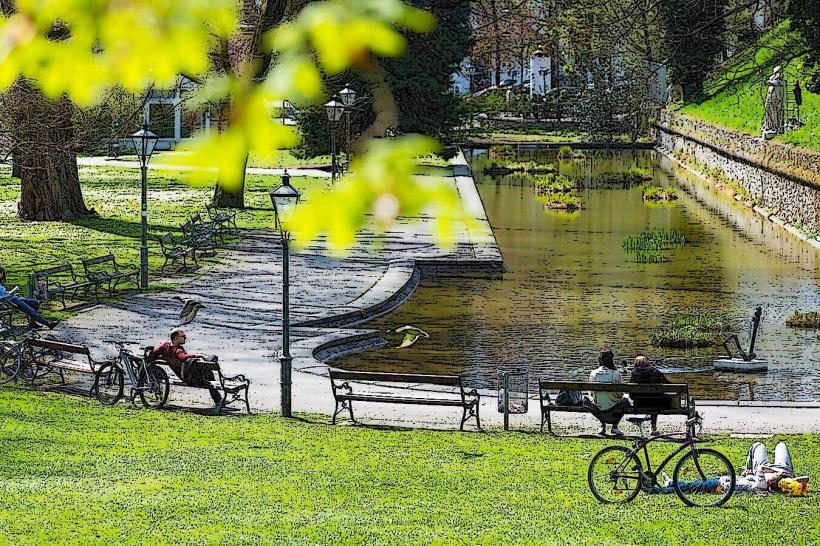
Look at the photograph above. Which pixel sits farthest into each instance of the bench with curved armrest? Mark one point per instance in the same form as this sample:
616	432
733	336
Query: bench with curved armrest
232	388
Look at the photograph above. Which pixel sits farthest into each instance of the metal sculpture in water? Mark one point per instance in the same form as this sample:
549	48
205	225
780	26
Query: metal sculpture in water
745	360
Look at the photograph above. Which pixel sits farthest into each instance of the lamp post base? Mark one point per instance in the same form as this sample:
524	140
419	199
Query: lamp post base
285	381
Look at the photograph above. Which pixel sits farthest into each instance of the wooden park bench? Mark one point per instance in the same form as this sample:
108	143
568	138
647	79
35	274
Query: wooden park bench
682	403
7	311
59	281
223	220
106	270
173	252
45	357
200	237
232	388
344	395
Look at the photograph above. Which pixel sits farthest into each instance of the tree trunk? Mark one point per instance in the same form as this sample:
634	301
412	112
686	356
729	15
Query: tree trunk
223	198
43	139
16	171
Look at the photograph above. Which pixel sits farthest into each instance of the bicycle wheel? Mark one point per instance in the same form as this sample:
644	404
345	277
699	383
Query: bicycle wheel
614	475
154	387
699	478
10	362
109	384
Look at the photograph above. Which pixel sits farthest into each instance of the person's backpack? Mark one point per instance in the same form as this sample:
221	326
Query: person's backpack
568	398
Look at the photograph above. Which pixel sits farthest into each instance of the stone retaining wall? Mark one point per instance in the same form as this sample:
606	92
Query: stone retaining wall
783	180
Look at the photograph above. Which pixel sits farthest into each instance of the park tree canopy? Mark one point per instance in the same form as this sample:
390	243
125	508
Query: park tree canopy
147	43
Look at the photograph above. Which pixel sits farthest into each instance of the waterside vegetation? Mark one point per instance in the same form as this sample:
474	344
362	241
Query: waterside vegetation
810	319
653	245
658	193
556	192
692	330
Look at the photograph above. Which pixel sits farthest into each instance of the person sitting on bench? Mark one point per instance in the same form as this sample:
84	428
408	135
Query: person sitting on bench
645	372
608	407
29	306
186	366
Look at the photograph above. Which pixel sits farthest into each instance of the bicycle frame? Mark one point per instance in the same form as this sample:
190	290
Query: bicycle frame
641	445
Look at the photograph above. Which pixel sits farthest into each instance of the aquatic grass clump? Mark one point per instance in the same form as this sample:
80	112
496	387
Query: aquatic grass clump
561	201
567	152
651	246
638	173
658	193
654	239
632	175
552	184
650	257
503	151
797	319
692	330
529	167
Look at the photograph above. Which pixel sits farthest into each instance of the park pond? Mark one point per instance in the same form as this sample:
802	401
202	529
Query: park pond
572	287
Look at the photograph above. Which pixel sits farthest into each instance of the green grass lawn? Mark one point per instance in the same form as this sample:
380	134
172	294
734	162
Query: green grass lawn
737	92
76	472
114	193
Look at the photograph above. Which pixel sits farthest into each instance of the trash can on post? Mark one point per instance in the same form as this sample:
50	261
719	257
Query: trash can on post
513	392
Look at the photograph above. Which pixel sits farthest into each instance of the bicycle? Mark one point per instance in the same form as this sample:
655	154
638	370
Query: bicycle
146	379
616	475
13	361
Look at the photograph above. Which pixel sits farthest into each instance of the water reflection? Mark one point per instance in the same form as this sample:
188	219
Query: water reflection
570	289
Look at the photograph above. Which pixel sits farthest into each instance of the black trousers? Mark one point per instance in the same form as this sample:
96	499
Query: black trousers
195	375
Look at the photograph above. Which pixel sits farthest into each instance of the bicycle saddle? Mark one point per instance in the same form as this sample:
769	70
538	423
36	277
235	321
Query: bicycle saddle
638	420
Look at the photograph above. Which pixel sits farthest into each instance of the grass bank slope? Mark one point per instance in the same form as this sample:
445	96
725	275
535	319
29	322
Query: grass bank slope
737	91
76	472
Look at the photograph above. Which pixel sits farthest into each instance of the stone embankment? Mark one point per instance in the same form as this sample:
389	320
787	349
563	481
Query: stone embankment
780	182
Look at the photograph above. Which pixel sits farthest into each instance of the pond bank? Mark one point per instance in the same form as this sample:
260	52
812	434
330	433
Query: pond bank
779	182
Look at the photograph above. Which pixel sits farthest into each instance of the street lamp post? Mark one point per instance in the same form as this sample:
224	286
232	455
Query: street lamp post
144	142
348	96
334	110
284	198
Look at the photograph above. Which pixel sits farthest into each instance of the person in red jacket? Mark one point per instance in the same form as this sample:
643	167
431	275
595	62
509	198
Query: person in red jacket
187	366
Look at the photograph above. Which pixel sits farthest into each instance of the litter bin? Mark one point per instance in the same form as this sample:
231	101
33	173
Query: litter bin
513	392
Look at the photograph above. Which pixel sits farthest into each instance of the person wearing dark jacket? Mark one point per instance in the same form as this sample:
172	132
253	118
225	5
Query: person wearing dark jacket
644	372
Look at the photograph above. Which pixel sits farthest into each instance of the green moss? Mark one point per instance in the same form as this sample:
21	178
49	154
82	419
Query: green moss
75	472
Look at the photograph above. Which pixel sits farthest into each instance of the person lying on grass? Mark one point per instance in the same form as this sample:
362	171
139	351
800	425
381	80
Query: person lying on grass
758	475
187	366
29	306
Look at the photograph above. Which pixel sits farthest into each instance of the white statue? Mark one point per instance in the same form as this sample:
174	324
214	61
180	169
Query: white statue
674	93
773	107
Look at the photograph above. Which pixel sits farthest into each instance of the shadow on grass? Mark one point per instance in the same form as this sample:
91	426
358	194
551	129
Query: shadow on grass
121	228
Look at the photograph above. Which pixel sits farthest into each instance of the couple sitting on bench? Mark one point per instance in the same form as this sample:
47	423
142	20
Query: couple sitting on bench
29	306
189	367
610	407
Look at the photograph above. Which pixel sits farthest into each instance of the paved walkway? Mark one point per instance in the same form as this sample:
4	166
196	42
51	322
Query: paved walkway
330	299
98	161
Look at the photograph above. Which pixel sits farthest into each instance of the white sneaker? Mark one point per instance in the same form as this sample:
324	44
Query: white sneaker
602	430
617	431
667	481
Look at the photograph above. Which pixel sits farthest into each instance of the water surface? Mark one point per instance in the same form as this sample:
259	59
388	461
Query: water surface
570	289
